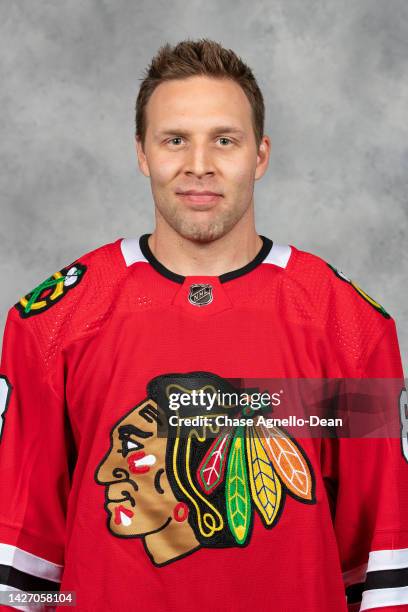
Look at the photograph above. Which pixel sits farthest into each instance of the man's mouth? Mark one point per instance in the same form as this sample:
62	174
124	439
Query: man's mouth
199	197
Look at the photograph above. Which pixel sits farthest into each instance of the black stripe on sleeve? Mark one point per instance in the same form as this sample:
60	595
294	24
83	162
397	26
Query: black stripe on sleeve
354	593
387	579
10	576
382	579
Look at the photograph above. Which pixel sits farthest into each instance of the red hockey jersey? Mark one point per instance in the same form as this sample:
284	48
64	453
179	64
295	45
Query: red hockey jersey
96	500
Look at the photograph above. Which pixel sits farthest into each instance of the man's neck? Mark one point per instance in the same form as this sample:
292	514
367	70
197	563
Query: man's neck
190	258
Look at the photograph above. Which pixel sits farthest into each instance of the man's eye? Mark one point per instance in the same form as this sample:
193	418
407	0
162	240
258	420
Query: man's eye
225	138
173	139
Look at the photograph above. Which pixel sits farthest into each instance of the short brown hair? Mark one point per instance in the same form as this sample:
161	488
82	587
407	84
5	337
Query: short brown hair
194	58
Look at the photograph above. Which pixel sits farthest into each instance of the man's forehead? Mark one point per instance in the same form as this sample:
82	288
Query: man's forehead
212	104
188	127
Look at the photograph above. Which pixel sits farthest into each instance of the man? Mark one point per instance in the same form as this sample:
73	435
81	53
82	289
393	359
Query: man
126	476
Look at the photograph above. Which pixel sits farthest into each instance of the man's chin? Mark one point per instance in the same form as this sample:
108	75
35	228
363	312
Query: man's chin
201	232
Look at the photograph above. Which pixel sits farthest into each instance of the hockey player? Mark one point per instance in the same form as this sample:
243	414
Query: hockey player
98	500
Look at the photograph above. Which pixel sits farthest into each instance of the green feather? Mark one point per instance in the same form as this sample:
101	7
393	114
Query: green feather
237	492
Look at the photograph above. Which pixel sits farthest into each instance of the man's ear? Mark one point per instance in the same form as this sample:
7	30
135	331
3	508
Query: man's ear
141	157
263	155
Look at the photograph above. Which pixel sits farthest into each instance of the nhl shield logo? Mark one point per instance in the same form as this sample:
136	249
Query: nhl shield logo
200	295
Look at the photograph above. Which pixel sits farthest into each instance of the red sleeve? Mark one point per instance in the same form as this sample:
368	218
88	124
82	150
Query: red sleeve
35	450
370	477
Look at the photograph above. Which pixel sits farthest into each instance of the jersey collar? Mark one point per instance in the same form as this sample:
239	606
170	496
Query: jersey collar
179	278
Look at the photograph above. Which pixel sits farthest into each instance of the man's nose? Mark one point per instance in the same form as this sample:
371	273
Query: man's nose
199	161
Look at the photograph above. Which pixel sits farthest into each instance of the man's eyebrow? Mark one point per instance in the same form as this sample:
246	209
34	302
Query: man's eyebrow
225	129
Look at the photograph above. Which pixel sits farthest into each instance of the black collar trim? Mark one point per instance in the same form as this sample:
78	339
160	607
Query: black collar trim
179	278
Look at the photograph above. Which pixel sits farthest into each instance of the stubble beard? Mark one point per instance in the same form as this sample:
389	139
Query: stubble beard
220	223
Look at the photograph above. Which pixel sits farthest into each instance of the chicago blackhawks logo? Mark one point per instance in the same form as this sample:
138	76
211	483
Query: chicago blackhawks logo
51	290
201	486
363	294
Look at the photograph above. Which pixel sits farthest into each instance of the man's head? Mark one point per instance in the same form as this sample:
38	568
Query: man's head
199	127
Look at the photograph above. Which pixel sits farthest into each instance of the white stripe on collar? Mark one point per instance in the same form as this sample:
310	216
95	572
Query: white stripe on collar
131	251
278	255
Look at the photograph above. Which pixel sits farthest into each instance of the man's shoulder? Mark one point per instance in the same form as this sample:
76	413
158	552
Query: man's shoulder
318	292
74	299
324	283
62	285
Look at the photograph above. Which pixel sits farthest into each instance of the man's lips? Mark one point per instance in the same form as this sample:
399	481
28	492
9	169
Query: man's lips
199	197
198	192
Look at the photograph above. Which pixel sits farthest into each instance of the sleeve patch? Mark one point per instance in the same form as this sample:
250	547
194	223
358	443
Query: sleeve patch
5	392
50	291
363	294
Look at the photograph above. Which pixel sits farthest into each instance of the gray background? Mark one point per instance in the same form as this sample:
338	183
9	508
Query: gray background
335	79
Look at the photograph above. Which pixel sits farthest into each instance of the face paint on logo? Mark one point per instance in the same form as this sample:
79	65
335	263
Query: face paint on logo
191	489
51	290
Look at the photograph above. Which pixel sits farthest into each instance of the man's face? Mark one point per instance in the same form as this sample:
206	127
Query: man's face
200	137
